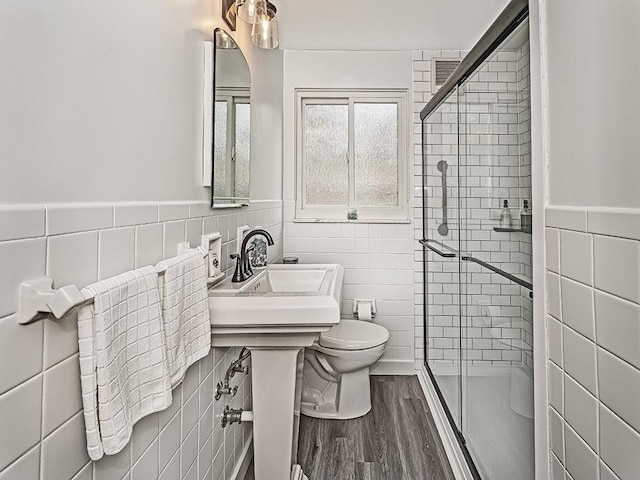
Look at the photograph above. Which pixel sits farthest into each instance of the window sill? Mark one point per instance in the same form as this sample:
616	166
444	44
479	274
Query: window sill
360	220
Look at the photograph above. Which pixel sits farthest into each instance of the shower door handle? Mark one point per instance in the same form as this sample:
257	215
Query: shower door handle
443	229
427	243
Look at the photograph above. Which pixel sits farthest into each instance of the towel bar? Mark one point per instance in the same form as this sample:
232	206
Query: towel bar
38	298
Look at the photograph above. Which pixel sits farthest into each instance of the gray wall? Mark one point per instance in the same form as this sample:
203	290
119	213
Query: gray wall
104	102
593	102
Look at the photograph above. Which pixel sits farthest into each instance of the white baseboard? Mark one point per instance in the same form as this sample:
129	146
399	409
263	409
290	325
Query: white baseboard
393	367
245	460
458	463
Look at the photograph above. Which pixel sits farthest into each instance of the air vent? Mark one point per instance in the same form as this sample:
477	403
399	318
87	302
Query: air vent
441	70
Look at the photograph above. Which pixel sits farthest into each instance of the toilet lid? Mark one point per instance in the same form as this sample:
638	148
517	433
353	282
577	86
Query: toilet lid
354	335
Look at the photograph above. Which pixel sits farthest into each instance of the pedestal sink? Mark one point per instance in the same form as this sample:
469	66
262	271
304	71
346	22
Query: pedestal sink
274	314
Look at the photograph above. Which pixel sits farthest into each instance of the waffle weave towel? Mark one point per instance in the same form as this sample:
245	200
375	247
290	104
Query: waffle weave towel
124	370
185	311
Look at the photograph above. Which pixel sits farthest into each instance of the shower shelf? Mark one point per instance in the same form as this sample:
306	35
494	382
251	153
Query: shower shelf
499	229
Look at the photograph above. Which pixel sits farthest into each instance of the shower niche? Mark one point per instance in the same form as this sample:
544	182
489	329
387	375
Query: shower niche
478	308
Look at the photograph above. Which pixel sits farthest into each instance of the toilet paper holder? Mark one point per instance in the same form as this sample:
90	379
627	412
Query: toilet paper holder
370	302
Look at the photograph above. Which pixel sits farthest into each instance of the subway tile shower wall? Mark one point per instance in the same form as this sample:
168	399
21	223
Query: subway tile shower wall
41	422
494	115
593	319
421	96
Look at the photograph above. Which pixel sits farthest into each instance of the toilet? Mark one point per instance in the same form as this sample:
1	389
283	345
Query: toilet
336	370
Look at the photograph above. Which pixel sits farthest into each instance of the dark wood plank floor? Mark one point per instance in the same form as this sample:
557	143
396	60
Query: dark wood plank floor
396	440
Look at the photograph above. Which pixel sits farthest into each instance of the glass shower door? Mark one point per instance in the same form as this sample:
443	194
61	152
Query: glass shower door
478	309
440	247
496	310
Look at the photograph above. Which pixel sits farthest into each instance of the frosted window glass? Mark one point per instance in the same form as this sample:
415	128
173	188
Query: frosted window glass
326	141
220	150
242	140
376	154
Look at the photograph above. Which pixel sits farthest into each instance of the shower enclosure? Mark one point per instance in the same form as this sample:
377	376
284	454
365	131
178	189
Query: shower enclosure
478	310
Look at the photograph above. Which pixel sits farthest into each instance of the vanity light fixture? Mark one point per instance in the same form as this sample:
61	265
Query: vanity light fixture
248	9
261	14
230	13
264	33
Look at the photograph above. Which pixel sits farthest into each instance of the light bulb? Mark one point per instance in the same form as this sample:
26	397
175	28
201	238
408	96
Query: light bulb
250	10
264	33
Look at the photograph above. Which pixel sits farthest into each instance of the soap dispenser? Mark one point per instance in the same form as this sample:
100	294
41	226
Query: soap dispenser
525	218
505	216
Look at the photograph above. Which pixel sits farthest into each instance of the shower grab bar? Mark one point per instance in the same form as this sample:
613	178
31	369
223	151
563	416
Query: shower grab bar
443	229
427	243
467	258
502	273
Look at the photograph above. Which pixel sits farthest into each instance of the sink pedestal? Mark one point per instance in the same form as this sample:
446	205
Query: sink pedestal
273	376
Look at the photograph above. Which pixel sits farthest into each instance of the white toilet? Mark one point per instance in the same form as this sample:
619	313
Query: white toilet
336	370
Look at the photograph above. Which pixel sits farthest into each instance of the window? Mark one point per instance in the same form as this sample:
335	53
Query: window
351	151
231	155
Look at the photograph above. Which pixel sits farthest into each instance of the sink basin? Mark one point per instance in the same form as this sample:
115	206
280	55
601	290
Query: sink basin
287	280
285	300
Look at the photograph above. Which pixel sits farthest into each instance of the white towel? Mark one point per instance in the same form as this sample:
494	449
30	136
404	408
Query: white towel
124	372
185	311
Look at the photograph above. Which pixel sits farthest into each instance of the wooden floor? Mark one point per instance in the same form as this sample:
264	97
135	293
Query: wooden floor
396	440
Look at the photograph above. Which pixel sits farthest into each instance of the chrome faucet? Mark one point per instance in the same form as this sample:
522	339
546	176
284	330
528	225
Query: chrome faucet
243	265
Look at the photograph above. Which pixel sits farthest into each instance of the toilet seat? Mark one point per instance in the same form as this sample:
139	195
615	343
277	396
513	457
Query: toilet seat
354	335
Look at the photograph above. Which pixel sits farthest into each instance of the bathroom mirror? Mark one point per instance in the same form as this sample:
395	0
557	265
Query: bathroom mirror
227	136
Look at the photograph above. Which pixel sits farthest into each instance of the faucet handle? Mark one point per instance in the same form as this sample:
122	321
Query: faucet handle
237	274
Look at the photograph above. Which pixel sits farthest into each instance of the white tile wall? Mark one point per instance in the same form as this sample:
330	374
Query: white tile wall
556	387
581	411
577	307
125	214
574	248
596	347
580	460
614	272
116	251
78	217
21	260
618	326
20	352
18	222
41	424
379	264
21	418
619	445
619	387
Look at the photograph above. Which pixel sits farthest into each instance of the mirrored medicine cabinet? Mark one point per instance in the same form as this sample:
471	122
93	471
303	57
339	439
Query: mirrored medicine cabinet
227	122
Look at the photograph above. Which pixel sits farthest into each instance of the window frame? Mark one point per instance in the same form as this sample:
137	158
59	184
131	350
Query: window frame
232	96
338	213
